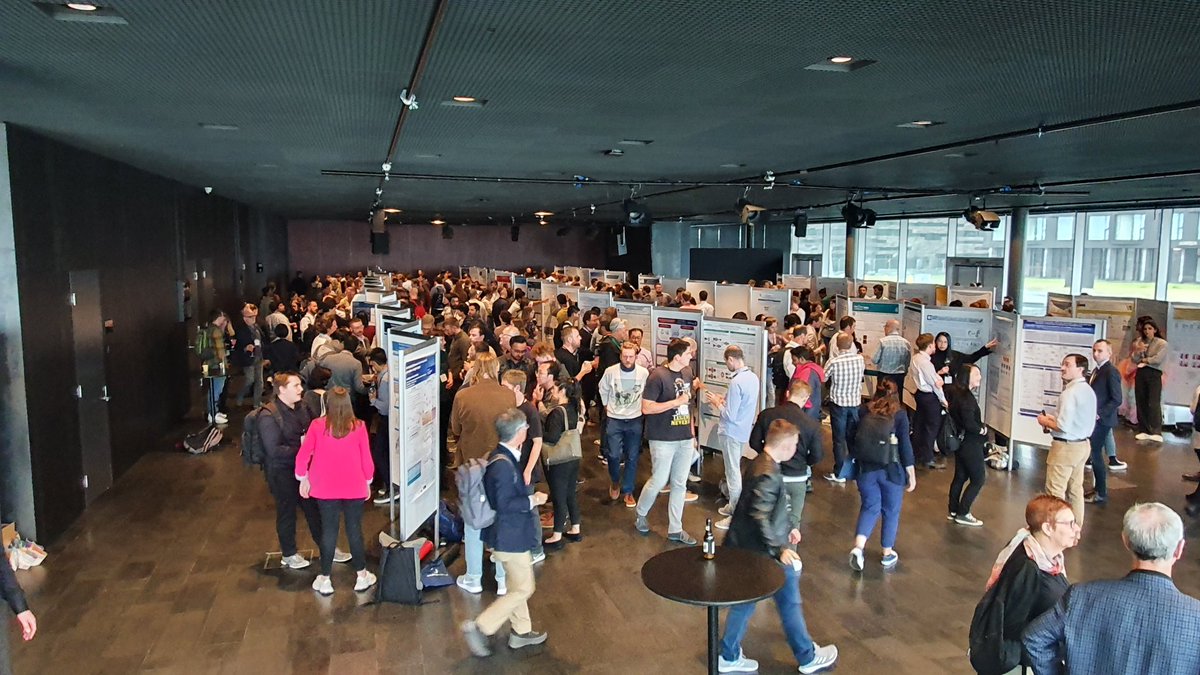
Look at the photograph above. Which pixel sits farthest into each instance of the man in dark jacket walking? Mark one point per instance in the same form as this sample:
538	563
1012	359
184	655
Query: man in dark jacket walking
1106	382
797	471
248	354
760	524
510	536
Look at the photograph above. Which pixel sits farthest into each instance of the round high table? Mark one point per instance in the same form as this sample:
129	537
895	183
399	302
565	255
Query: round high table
734	577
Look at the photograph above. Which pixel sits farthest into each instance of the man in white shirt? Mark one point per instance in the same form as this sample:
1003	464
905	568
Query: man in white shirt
737	409
704	305
1071	427
621	392
930	403
845	327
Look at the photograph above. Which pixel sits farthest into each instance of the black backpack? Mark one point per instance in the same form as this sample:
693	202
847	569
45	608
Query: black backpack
872	441
779	376
254	452
989	651
400	575
950	438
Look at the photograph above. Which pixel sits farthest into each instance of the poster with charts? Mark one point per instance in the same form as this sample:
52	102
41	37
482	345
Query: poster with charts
611	277
797	282
1060	304
636	315
646	280
1182	369
593	276
590	299
547	309
670	324
419	489
771	302
1001	373
1118	317
911	320
1042	344
717	335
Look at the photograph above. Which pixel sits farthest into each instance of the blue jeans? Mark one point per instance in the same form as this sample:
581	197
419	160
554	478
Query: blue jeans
473	543
844	422
1099	462
791	614
623	443
216	386
878	494
1110	443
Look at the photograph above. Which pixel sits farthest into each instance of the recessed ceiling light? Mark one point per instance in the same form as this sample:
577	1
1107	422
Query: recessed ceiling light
841	59
83	12
218	127
634	141
919	124
438	222
614	152
543	214
464	99
392	211
465	102
426	155
836	64
732	166
82	6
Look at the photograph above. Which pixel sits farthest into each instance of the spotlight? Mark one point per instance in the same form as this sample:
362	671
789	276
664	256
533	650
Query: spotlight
858	217
800	223
752	214
515	232
981	219
636	214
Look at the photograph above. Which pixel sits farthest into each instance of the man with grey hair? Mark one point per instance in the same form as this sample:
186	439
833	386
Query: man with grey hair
511	537
1138	624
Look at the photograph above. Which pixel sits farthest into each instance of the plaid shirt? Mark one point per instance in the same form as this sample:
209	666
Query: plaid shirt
893	354
845	373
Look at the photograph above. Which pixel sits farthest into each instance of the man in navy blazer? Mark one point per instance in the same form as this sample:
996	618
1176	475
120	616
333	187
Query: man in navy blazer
1106	382
510	536
1137	625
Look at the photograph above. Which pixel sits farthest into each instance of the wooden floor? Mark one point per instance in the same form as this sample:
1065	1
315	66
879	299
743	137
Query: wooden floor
165	574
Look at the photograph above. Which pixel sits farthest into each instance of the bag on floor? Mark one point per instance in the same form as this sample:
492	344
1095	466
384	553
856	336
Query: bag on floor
950	438
435	575
400	575
254	452
450	524
872	441
204	440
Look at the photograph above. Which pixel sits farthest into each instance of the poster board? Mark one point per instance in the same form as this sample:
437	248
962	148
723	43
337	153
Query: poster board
911	321
670	284
927	293
645	280
1060	305
869	319
636	315
519	281
797	282
770	301
1118	315
970	328
670	323
1183	361
1042	344
593	275
729	299
413	363
694	287
1001	374
547	309
832	285
479	273
719	334
577	274
572	293
533	289
590	299
970	295
611	277
502	277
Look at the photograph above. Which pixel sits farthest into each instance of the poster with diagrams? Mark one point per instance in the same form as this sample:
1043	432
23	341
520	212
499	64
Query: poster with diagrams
1042	344
715	375
413	367
670	324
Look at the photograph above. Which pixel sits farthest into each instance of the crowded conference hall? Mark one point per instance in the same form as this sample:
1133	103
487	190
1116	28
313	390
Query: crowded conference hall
548	336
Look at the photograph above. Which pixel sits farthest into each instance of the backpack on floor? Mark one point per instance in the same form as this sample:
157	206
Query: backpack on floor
450	524
872	441
254	452
204	440
400	575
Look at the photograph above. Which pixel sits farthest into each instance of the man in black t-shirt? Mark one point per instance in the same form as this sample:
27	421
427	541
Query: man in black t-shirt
531	451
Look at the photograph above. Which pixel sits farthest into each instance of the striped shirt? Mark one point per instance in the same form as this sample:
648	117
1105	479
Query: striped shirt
845	374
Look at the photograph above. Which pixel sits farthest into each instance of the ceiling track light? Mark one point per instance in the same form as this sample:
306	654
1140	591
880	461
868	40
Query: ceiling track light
636	213
857	217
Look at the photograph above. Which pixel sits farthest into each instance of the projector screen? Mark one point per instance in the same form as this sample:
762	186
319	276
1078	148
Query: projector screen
735	265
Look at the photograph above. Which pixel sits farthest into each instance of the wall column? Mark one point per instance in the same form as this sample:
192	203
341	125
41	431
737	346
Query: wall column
1015	260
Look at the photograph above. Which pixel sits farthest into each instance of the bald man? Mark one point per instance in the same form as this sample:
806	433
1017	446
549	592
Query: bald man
892	356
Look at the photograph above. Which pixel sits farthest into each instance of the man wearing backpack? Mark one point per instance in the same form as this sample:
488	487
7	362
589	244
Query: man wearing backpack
511	536
210	347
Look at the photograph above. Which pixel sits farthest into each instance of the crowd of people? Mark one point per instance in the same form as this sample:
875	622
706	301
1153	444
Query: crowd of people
519	395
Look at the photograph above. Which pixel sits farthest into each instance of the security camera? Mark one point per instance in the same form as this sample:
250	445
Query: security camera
207	190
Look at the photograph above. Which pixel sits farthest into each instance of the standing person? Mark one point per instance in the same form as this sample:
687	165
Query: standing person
1106	383
845	372
760	524
845	327
335	469
736	410
949	362
570	356
810	372
511	536
970	469
1193	499
621	389
1135	625
281	353
884	466
645	358
666	405
282	424
1071	429
279	317
1149	354
516	381
11	591
893	354
931	402
562	456
248	354
705	306
210	345
797	471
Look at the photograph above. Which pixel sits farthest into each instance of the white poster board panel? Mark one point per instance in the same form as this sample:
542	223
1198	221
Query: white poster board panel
797	282
969	329
694	287
547	309
719	334
519	281
636	315
1182	368
869	319
572	293
577	274
911	320
926	293
533	289
671	323
672	284
1042	344
479	273
419	438
968	296
771	302
611	277
593	275
647	280
1060	305
1001	374
729	299
1118	317
590	299
832	285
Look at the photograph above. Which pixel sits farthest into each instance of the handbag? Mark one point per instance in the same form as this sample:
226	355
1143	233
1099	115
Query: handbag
567	448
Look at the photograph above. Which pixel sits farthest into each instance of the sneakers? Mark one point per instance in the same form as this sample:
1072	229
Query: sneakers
340	556
834	478
856	559
323	585
693	478
889	560
219	418
681	537
469	584
739	665
538	557
294	562
384	499
951	515
968	520
1093	498
1115	464
726	510
365	581
823	658
477	642
689	497
614	491
501	587
641	525
1156	438
723	524
630	502
1087	466
1141	436
517	640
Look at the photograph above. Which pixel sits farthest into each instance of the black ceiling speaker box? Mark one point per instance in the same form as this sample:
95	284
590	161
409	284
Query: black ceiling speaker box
637	214
800	223
380	243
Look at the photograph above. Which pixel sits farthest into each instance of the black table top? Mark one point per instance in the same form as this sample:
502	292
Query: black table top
735	576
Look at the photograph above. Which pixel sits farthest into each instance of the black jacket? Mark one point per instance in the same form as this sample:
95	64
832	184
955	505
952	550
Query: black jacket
809	451
1027	592
283	355
1106	382
760	519
283	442
246	335
955	359
11	590
963	407
512	531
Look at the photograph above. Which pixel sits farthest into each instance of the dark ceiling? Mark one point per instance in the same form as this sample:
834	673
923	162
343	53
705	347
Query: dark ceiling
314	85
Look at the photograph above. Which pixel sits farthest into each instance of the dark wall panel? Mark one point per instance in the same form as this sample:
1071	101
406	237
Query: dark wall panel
77	211
735	265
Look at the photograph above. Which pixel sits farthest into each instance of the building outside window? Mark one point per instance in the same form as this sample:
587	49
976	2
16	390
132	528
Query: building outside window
1183	256
925	259
1049	254
880	256
1120	254
835	260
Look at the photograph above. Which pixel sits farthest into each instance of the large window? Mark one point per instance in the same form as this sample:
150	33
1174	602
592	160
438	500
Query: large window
1183	268
925	259
813	242
1049	253
880	256
835	259
973	243
1123	263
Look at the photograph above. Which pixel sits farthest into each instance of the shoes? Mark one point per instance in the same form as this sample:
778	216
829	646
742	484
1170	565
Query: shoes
681	537
365	580
384	499
951	515
1142	436
477	642
323	585
614	491
1193	477
726	510
689	497
889	560
556	545
1156	438
739	665
469	584
574	538
1115	464
501	587
693	478
340	556
630	502
856	559
723	524
1093	498
968	520
823	658
518	640
295	562
936	465
834	478
539	557
641	525
219	418
808	487
1087	466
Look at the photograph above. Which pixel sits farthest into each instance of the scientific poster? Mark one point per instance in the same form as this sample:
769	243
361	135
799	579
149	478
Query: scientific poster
549	308
1001	372
646	280
797	282
912	317
970	296
719	334
419	489
1118	317
611	277
729	299
1043	343
589	299
533	289
636	315
670	324
1182	371
593	275
1060	304
771	302
926	293
870	317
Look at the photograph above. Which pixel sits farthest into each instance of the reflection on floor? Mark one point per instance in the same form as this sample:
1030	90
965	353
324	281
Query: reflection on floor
164	575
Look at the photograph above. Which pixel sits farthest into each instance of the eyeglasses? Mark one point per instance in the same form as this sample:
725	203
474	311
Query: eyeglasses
1071	522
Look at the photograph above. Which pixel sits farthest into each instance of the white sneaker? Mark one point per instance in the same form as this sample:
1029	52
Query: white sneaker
740	665
340	556
469	584
501	587
1141	436
323	585
834	478
726	510
723	524
219	418
294	562
856	559
1157	438
365	581
825	657
693	478
539	557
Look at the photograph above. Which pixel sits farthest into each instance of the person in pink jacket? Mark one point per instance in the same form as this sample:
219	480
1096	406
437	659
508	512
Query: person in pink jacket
334	467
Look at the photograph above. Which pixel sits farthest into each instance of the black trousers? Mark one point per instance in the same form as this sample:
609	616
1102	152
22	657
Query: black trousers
969	470
281	480
897	379
564	492
927	423
380	454
332	511
1147	393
